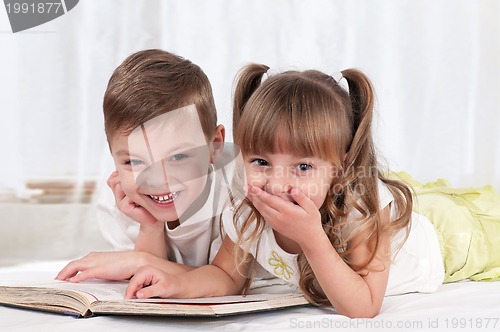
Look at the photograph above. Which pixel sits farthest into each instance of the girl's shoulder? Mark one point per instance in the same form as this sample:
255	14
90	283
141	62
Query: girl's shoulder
385	196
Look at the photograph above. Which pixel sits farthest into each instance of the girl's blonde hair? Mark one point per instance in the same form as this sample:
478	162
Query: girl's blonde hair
309	113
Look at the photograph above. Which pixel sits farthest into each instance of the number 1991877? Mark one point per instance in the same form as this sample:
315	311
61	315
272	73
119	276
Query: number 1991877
34	8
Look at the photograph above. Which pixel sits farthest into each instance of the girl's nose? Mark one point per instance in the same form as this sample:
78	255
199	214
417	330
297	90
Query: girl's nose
278	183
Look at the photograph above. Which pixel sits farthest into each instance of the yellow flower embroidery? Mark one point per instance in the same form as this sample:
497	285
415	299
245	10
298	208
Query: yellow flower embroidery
280	267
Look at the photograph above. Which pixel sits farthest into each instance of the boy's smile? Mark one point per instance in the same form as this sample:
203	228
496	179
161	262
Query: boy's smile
165	199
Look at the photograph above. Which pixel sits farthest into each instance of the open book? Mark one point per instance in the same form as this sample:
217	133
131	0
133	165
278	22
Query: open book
98	297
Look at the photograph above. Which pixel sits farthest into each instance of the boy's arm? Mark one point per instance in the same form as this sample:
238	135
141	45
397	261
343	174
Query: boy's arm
117	265
152	235
152	239
222	277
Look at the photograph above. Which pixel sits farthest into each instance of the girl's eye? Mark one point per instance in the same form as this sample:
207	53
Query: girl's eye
304	167
179	156
259	162
133	162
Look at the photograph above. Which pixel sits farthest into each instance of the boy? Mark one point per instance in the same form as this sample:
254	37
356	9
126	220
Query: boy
161	126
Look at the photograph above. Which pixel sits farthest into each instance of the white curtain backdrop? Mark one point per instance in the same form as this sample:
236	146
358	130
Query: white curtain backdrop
435	65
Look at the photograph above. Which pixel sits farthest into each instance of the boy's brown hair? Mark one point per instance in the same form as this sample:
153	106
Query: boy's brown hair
152	82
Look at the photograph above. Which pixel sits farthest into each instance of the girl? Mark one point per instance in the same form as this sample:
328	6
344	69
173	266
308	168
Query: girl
318	213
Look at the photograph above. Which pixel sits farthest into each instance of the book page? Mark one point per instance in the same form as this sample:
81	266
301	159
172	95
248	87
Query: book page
219	299
92	290
97	290
94	297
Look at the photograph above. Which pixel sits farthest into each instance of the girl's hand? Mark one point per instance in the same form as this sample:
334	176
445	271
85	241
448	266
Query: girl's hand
151	282
300	223
102	265
125	205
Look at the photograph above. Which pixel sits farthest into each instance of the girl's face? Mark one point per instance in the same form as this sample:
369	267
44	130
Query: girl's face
278	173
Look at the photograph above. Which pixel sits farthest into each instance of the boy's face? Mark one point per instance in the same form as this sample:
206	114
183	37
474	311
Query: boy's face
163	164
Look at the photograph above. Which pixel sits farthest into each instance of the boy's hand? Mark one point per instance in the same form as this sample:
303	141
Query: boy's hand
125	205
119	265
151	282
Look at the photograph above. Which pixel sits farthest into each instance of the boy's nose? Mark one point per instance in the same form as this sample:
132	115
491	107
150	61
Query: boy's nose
154	176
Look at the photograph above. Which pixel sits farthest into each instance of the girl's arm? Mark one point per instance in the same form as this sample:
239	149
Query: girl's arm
299	227
220	278
350	293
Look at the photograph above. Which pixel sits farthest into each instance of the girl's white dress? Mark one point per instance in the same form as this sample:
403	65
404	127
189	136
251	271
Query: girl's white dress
416	267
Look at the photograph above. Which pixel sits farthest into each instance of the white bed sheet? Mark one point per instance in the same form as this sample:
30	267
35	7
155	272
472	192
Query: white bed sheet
463	306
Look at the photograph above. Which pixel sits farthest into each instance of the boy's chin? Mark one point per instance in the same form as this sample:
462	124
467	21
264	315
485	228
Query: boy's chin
166	217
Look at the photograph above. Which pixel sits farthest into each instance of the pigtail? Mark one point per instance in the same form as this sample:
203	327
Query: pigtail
360	166
362	170
248	80
362	96
252	224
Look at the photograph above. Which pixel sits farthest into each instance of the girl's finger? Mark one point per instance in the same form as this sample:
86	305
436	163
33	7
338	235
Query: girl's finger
151	291
302	200
138	281
274	202
264	209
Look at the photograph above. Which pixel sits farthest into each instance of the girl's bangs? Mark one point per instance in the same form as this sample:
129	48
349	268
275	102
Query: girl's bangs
289	131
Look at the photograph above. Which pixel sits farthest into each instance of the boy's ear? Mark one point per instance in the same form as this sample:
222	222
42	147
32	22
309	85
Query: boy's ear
217	144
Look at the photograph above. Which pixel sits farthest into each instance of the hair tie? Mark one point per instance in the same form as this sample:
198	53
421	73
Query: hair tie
270	72
341	81
337	76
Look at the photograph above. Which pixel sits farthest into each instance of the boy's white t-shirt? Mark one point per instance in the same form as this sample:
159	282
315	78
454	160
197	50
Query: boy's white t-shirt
416	267
194	242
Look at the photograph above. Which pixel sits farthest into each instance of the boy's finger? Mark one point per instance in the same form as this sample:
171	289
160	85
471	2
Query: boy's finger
84	275
69	270
118	192
113	180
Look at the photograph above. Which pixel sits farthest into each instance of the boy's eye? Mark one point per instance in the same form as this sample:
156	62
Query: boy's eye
133	162
179	156
304	167
259	162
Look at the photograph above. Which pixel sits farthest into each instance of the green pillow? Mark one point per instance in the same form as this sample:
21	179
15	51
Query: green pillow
467	221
